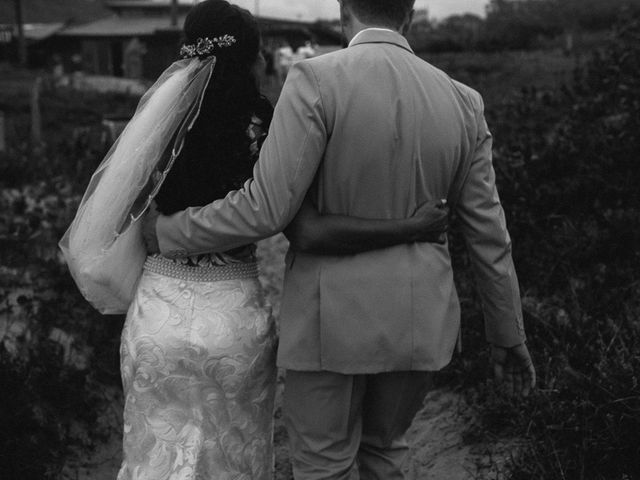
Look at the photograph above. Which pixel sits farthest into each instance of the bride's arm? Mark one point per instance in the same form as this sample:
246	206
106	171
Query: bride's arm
312	232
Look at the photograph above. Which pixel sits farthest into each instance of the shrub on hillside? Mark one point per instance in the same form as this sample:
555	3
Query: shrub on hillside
58	357
569	170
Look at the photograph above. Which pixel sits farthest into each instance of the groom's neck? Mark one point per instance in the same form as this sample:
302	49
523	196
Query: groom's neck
354	26
364	27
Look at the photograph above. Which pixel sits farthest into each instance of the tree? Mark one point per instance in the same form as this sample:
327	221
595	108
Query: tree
463	30
420	31
520	23
517	24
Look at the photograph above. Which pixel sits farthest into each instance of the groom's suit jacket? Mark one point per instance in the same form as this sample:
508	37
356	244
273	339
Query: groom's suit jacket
371	131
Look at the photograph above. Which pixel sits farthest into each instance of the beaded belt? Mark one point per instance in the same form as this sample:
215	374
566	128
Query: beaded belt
230	271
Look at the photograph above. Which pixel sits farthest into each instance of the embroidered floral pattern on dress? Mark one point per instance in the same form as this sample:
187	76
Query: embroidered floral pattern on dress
238	255
198	370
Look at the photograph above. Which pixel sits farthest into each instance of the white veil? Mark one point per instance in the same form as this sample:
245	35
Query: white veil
103	246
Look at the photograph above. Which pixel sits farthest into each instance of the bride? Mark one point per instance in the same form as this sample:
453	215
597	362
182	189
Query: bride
198	345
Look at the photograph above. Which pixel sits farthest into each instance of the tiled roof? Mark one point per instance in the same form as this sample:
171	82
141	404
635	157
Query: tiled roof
121	27
40	31
35	31
147	3
53	11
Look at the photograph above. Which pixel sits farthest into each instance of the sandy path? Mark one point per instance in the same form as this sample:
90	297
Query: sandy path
438	448
440	451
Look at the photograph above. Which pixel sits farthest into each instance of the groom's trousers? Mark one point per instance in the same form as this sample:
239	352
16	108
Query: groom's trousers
351	427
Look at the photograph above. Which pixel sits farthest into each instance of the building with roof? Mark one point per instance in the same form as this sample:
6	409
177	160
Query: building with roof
127	38
140	38
42	19
136	40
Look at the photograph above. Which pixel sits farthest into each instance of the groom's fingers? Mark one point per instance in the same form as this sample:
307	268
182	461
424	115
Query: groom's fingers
525	365
517	383
498	372
526	385
531	378
509	383
525	378
532	374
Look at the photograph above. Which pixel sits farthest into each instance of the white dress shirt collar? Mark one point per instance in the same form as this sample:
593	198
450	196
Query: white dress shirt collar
370	29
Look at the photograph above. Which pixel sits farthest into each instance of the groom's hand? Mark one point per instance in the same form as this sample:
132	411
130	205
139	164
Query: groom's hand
513	369
149	229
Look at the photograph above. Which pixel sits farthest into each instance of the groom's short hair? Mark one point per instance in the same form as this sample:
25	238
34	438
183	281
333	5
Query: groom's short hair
386	12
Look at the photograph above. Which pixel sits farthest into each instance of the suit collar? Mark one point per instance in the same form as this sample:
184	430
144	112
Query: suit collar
378	35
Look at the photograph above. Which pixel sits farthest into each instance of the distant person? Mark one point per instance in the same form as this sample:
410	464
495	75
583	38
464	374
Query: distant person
132	65
303	52
57	71
270	72
284	56
371	131
306	51
77	73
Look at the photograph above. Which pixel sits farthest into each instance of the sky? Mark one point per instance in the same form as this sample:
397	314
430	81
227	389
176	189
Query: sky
328	9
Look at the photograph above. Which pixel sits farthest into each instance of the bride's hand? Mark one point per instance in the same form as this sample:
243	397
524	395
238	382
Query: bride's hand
431	222
149	229
312	232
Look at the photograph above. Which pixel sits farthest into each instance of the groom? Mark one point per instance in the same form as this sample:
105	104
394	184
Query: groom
370	131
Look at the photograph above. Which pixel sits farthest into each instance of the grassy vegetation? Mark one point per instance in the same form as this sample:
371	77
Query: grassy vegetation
58	357
567	164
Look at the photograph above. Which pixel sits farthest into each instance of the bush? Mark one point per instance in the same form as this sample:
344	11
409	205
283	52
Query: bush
59	366
58	361
568	171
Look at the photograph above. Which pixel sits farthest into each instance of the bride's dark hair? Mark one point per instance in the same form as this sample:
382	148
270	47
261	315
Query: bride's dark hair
216	156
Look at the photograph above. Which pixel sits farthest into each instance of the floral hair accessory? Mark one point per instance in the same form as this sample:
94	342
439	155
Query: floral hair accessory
205	46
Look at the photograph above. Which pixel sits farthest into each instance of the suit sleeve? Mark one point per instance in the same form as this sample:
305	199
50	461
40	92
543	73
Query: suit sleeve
485	231
268	202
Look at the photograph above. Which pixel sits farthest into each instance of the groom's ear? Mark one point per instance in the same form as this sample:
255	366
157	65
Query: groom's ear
345	13
406	27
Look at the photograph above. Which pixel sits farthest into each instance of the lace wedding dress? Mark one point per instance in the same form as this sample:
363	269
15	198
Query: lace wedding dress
198	369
